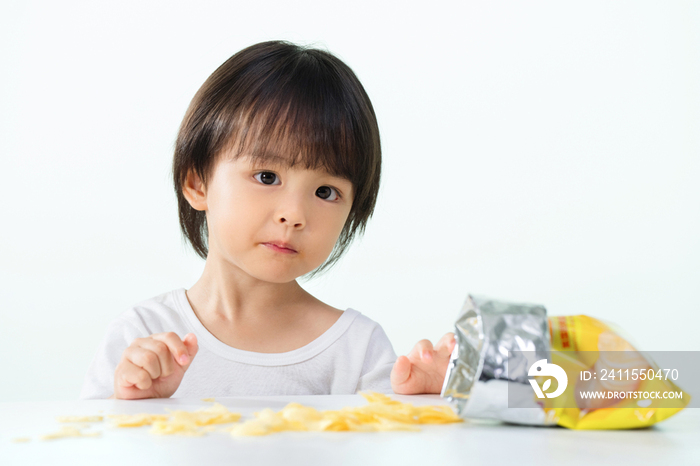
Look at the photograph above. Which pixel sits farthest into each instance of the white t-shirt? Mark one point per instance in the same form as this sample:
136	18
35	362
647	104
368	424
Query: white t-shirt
354	354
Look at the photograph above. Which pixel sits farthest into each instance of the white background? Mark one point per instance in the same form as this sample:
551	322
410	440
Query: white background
542	152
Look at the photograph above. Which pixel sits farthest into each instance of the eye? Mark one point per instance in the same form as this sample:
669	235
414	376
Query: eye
266	177
328	193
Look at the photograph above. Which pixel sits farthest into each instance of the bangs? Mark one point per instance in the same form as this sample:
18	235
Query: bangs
294	121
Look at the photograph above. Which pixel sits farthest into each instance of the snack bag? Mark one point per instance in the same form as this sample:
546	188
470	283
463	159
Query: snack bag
513	363
574	339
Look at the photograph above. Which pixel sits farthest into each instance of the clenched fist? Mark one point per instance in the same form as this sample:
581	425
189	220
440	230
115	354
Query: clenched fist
153	367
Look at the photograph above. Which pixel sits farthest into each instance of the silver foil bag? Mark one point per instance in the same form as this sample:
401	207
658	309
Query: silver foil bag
479	376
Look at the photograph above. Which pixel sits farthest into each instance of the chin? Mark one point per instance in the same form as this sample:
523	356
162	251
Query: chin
280	276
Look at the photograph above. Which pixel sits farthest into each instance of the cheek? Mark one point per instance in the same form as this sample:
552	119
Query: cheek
235	211
244	208
333	229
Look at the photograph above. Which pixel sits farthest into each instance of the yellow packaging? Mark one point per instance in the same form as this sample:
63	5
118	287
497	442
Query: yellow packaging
582	343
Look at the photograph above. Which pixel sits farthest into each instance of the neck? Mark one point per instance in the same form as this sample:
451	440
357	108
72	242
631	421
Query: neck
224	292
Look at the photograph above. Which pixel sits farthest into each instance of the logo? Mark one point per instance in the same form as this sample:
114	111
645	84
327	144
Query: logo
543	368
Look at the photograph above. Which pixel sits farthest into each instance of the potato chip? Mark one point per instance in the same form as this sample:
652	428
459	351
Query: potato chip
215	414
69	431
136	420
79	418
177	425
188	423
381	414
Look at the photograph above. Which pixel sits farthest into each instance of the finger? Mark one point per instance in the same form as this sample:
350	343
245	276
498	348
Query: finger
176	345
446	344
191	344
143	358
165	358
423	351
132	375
400	373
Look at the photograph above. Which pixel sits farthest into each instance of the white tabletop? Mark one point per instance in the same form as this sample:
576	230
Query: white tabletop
674	441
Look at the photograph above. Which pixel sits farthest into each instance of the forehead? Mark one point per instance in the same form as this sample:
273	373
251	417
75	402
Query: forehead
272	159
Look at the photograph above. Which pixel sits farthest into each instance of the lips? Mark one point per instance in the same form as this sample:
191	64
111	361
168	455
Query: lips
280	246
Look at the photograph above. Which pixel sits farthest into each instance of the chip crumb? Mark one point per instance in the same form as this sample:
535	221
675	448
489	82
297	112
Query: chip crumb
209	399
79	418
21	439
69	431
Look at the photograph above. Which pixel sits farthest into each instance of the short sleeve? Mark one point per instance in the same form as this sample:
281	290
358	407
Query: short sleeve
99	380
379	360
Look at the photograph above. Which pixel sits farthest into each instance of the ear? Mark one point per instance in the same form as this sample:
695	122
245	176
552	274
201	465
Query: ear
194	191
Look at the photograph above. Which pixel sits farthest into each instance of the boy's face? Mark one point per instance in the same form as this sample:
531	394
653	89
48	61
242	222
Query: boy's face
273	222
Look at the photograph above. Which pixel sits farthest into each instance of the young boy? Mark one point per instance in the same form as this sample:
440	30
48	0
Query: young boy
276	169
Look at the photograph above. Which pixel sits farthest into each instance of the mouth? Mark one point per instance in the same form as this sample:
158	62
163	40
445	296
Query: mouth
283	248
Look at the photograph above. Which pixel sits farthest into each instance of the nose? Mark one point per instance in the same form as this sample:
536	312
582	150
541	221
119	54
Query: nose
291	213
292	223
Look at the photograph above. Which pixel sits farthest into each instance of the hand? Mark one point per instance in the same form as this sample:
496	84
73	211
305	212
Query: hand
423	371
153	367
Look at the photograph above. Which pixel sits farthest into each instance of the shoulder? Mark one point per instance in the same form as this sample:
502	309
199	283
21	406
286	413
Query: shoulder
362	326
361	321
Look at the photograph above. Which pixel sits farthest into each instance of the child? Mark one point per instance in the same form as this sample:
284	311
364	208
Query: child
276	170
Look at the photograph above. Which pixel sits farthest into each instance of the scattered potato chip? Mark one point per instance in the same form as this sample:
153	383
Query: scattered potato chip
208	399
79	418
215	414
69	431
21	439
381	414
188	423
136	420
176	426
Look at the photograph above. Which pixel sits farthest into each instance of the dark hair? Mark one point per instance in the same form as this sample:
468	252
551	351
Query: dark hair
280	99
